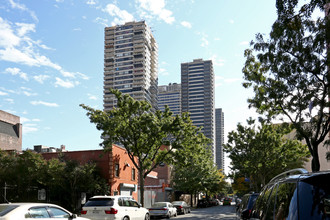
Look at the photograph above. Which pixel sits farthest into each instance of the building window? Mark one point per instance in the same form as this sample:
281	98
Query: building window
116	170
133	174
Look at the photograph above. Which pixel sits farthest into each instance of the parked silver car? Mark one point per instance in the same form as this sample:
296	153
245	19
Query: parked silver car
162	209
20	211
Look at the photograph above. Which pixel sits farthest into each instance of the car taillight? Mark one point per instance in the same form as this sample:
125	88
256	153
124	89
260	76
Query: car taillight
83	212
111	211
180	207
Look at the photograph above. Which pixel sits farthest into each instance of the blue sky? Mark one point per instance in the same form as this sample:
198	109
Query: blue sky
51	57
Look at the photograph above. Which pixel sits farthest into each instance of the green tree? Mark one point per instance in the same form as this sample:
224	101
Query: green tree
142	132
194	170
290	73
23	174
260	153
241	185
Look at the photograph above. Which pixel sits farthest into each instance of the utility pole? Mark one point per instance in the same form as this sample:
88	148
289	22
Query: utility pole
5	193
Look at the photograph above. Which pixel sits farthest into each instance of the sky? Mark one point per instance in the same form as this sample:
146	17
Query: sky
51	57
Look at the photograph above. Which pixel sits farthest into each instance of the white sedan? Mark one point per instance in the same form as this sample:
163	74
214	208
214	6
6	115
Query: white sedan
162	209
25	211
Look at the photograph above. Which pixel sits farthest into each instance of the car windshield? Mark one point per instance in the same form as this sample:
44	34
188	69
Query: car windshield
314	199
99	202
158	205
4	209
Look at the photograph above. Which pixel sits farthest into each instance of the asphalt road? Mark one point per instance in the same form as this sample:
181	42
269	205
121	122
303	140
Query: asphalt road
215	212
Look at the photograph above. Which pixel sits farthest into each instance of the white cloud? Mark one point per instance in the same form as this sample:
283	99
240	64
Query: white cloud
186	24
29	128
163	72
3	93
41	78
92	97
24	28
205	42
20	48
29	93
11	101
244	43
65	83
102	21
24	120
90	2
217	61
22	7
120	16
48	104
157	8
16	71
7	36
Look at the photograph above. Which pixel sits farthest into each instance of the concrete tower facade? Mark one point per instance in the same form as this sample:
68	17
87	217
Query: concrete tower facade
219	138
197	96
130	63
170	95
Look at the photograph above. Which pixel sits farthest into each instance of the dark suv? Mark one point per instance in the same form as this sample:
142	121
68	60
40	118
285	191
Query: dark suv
245	207
295	194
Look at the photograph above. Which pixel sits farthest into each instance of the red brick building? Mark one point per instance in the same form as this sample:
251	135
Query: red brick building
115	166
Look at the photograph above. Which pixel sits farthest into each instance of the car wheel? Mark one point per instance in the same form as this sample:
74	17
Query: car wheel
126	218
147	217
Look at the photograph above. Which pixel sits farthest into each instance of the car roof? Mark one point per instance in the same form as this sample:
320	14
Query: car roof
112	197
29	204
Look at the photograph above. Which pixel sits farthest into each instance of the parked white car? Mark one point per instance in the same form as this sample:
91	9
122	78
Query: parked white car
114	207
25	211
162	209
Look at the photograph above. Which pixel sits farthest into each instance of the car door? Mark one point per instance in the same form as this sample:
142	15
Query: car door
139	212
129	208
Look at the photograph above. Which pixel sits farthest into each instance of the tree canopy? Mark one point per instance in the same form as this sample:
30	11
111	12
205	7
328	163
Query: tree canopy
289	71
150	138
258	153
22	175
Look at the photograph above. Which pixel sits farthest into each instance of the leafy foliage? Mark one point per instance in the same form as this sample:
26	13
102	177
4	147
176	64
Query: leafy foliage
144	133
290	75
24	174
263	152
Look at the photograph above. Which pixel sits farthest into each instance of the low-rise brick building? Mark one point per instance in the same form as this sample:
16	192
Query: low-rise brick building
115	166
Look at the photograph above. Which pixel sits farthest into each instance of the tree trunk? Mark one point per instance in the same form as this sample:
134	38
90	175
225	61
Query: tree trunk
141	181
315	160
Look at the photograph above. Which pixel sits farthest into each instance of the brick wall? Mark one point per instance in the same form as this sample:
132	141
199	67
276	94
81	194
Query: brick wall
105	161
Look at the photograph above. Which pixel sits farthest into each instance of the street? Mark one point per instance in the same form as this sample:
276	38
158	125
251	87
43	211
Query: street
215	212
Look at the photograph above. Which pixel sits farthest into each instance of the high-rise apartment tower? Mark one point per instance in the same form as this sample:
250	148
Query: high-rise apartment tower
197	96
219	138
130	63
170	95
